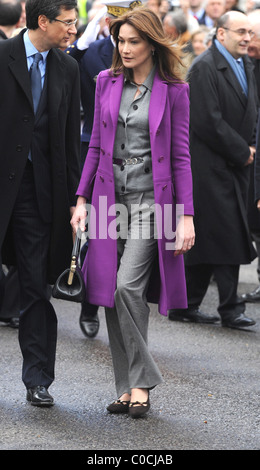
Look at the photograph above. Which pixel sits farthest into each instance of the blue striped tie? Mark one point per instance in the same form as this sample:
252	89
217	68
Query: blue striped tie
36	81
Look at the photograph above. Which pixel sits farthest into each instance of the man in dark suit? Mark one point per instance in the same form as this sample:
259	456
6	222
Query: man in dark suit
223	106
39	151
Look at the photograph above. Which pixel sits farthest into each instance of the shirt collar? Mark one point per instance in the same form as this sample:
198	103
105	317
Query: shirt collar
30	49
226	53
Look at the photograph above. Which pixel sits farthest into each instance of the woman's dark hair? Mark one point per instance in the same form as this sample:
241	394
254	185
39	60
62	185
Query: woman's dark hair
167	54
50	8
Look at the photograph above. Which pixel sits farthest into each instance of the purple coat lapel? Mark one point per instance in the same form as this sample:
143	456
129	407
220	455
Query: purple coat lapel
157	102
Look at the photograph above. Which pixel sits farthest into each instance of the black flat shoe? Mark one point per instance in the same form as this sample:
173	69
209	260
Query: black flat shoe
39	396
89	326
138	409
118	406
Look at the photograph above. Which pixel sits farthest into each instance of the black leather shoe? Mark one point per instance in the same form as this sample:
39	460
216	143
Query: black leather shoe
251	296
191	315
89	326
12	322
237	321
39	396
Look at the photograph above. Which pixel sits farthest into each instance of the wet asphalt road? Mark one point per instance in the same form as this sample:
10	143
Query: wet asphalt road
209	399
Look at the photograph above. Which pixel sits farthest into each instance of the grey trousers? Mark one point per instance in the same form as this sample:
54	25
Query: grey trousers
127	322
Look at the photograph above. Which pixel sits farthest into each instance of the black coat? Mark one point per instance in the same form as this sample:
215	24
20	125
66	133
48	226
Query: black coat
16	128
222	126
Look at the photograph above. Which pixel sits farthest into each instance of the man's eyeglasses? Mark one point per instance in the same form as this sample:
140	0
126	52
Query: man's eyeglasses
67	23
241	32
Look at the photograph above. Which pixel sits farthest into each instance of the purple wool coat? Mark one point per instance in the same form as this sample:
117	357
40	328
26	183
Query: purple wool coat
169	137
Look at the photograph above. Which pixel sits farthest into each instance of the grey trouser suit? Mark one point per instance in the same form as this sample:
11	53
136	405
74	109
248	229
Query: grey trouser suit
127	322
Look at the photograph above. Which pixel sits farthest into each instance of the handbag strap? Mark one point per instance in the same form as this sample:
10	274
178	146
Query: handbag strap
74	256
77	244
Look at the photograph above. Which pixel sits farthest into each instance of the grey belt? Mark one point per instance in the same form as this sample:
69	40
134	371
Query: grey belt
127	161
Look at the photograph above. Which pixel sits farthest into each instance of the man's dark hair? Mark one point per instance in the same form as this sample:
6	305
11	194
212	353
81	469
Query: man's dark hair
10	12
50	8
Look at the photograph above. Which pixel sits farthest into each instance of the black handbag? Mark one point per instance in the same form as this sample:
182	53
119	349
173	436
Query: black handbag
70	284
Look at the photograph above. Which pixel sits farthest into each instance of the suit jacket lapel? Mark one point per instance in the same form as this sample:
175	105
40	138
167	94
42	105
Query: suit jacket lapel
18	66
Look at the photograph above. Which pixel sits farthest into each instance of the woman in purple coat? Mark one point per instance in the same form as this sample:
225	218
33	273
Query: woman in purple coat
136	189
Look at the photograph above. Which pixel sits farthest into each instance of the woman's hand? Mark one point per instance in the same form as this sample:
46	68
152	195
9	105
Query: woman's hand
185	235
79	216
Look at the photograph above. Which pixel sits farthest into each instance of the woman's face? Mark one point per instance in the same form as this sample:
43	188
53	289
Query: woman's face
198	43
135	52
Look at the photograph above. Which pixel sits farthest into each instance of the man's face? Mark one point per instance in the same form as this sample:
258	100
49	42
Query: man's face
195	3
215	8
58	33
254	45
235	36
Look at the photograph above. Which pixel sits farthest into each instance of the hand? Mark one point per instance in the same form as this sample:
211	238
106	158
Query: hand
79	216
185	235
258	204
91	31
251	156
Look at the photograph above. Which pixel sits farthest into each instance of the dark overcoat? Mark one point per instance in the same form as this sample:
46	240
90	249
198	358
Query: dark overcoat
222	126
16	128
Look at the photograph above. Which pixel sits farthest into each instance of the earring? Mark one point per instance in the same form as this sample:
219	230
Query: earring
153	51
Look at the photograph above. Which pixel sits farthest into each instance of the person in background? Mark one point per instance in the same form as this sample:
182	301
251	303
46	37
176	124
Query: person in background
138	160
254	196
214	9
10	12
223	106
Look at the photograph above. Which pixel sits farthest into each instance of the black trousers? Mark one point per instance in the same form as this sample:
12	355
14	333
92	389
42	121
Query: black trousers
226	276
38	321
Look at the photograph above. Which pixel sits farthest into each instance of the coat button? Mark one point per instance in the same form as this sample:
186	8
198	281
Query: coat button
135	107
19	148
158	132
104	123
123	189
147	170
26	119
160	159
11	176
102	179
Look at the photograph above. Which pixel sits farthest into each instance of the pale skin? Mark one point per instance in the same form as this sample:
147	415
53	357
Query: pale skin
136	53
